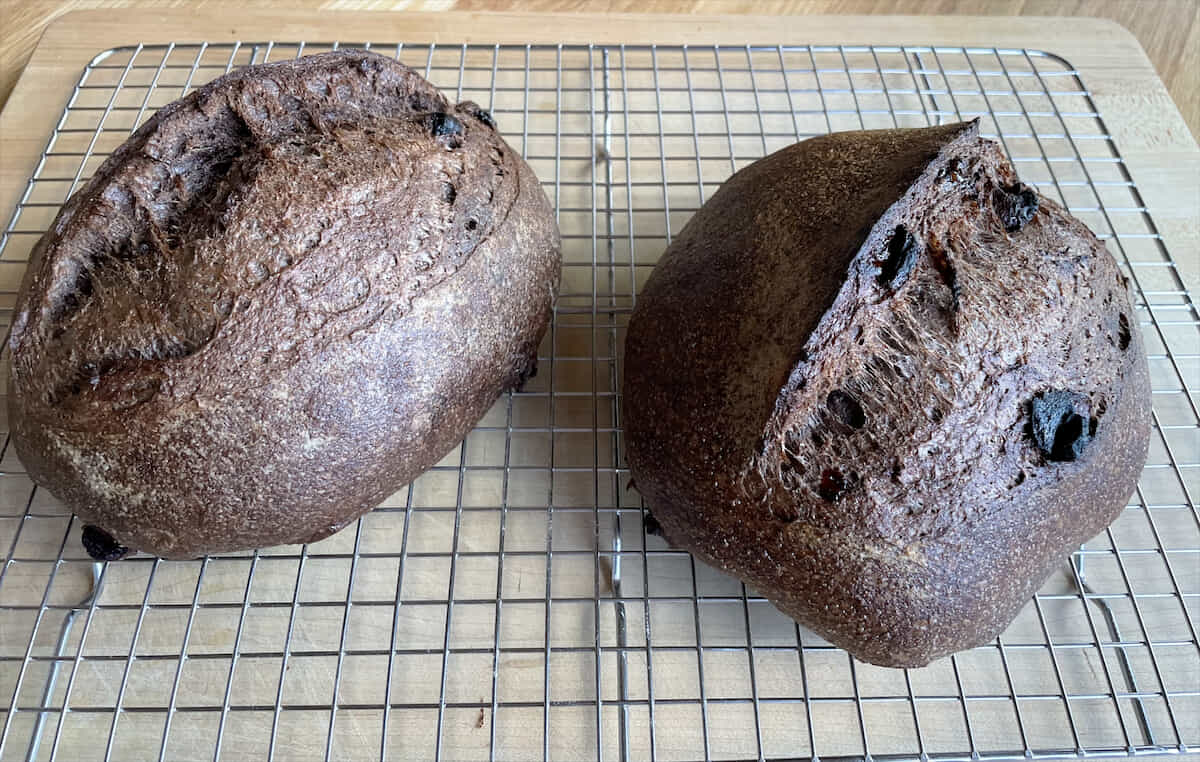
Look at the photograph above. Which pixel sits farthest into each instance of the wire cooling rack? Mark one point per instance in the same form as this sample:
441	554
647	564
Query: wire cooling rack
509	604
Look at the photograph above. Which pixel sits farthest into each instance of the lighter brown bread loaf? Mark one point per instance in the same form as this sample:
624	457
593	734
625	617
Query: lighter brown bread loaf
288	294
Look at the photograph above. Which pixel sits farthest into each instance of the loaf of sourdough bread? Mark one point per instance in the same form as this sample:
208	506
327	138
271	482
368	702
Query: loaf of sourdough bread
285	296
887	386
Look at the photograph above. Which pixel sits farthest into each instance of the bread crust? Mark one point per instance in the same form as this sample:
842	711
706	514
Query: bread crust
886	386
284	297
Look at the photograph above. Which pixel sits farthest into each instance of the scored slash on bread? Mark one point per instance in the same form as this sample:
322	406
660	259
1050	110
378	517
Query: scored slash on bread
284	297
887	386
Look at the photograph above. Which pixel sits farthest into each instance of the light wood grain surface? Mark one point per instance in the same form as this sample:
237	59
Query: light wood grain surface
1159	151
1169	30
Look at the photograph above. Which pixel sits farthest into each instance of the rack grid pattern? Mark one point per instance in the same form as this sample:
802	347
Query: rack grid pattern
509	603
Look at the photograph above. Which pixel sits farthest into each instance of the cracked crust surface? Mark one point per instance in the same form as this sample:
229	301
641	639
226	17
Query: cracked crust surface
288	294
887	386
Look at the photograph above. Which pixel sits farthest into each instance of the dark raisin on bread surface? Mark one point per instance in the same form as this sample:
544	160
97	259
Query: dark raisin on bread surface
886	385
285	296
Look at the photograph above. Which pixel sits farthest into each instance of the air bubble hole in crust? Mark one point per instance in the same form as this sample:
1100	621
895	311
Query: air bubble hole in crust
1123	334
846	409
1061	424
902	251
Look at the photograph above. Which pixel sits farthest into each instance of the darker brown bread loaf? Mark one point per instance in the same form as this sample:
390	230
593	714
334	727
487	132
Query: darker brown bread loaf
887	386
284	297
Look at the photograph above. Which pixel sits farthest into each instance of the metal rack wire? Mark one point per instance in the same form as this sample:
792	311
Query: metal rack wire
509	603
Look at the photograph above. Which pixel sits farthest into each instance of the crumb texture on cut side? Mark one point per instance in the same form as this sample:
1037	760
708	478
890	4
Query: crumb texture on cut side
287	294
895	407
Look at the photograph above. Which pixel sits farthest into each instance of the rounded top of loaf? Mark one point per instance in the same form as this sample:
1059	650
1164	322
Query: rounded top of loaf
255	216
759	267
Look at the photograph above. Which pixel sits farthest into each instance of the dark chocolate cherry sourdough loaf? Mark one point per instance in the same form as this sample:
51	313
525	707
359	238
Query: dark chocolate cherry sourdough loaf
288	294
887	386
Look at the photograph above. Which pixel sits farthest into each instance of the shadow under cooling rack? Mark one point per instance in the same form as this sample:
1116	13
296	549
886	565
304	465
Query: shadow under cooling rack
508	604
